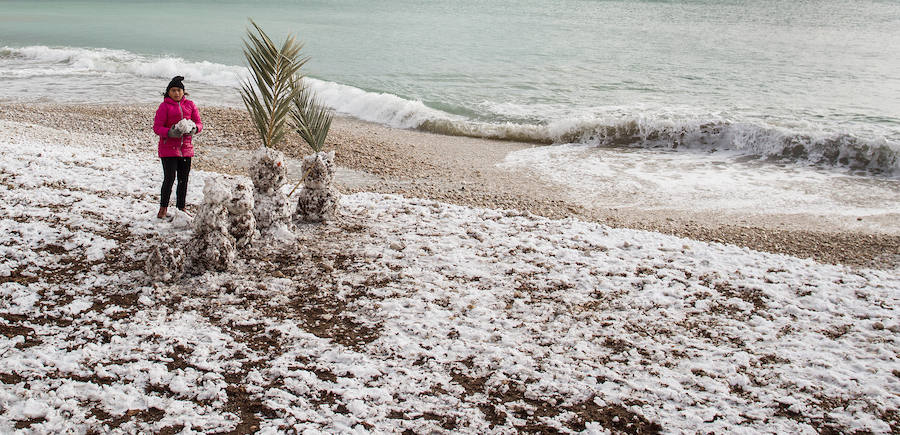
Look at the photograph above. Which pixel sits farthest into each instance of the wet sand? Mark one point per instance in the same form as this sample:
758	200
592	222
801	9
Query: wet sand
464	171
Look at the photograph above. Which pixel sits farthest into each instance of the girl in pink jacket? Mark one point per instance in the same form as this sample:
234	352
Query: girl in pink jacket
175	147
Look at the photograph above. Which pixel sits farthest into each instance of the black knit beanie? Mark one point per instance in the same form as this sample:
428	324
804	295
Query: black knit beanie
175	83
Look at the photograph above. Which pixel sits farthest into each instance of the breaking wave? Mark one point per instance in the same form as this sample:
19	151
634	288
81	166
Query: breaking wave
66	60
879	156
637	129
382	108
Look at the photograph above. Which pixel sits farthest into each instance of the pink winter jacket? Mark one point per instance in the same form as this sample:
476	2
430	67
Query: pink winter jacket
168	114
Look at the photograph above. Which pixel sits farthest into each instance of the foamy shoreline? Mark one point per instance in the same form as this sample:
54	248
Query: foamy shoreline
464	171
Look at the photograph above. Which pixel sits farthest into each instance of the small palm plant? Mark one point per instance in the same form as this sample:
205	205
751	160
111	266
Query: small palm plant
270	91
268	94
312	119
318	199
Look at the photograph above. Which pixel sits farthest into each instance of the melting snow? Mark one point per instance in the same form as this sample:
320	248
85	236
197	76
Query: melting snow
412	314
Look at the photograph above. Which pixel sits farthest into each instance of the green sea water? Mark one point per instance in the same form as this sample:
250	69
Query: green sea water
756	75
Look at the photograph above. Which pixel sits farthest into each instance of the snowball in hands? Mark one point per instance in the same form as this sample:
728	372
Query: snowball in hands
185	126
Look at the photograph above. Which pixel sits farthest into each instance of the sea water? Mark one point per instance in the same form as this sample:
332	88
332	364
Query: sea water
812	83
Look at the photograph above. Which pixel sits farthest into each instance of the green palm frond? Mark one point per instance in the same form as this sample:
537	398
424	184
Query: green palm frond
269	91
312	119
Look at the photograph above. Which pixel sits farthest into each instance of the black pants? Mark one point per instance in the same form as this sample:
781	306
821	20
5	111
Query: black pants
172	167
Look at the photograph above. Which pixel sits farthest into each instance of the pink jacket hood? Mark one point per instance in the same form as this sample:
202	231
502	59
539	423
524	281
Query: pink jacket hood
167	115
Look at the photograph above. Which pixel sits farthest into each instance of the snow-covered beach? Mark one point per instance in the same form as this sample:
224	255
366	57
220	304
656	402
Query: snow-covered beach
414	314
861	229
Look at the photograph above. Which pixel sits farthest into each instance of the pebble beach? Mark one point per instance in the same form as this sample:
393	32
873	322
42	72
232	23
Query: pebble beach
465	171
406	314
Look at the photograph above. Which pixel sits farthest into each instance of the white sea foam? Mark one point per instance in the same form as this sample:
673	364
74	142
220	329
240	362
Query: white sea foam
377	107
101	60
652	180
42	61
878	155
819	146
